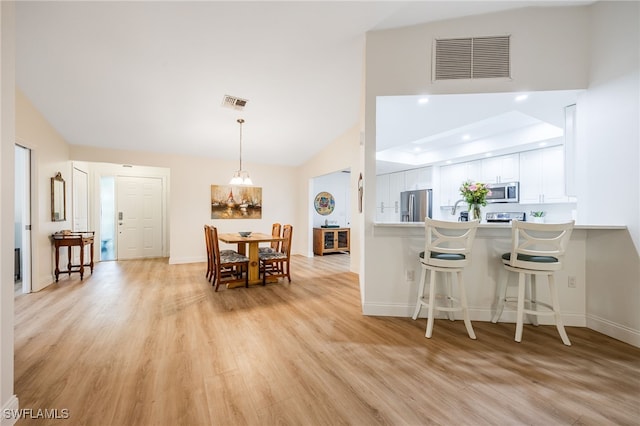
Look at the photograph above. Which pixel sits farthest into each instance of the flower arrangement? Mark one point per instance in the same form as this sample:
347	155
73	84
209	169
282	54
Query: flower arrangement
537	214
474	193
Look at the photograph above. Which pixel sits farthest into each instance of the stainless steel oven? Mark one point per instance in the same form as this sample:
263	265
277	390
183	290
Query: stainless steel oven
508	192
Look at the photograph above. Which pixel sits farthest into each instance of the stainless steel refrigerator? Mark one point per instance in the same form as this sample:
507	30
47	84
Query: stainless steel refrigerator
415	205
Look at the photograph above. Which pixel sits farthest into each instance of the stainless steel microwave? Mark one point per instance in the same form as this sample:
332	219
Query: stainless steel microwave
508	192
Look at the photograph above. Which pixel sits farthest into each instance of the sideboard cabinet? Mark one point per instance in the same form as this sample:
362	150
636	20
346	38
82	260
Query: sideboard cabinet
330	240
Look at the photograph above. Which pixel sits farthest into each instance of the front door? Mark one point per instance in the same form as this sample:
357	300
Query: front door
139	217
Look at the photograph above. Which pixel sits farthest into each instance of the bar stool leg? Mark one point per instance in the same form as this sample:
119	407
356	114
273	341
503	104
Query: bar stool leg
556	310
465	309
520	310
449	279
432	298
502	295
531	297
420	293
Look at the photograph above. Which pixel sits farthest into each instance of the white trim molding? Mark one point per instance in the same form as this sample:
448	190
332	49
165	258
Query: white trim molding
10	413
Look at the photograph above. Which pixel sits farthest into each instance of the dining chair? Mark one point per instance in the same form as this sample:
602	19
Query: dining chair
207	241
228	265
208	238
537	249
448	251
277	263
275	245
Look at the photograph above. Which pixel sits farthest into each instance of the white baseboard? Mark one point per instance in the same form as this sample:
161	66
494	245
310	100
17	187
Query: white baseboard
179	260
482	315
9	415
614	330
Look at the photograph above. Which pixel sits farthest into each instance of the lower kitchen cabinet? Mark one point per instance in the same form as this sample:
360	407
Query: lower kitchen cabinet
330	240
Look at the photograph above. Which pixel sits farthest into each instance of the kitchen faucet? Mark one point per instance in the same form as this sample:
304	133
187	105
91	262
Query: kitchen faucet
455	206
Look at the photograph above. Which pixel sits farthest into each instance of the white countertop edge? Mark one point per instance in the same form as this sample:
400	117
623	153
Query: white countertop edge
487	225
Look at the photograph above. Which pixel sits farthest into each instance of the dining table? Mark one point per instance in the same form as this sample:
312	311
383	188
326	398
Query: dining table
252	242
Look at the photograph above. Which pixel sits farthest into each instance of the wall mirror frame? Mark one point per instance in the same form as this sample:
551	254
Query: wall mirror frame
58	199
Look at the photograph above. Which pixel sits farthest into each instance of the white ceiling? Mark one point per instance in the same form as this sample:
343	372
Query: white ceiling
151	76
414	131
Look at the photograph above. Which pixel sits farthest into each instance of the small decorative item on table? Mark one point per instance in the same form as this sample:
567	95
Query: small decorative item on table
244	233
475	194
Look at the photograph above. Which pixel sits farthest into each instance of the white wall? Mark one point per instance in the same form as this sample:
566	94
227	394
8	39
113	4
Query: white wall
324	163
337	184
189	196
609	160
550	50
50	155
7	143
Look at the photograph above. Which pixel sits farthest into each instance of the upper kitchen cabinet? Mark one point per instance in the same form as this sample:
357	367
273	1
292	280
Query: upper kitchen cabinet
451	177
418	178
505	168
542	178
388	189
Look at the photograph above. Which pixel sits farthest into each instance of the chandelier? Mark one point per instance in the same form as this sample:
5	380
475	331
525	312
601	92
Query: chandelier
240	177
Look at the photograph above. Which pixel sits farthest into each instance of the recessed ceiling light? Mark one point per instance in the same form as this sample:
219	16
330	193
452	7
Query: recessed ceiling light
448	161
542	144
417	149
466	137
521	98
488	154
423	101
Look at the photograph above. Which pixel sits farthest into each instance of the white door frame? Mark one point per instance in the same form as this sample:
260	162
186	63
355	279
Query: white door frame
25	211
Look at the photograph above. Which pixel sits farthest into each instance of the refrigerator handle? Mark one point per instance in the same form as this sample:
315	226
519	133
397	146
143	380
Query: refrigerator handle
397	207
411	202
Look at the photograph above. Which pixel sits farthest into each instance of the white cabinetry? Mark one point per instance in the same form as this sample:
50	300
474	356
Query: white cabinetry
418	179
505	168
388	189
452	177
542	176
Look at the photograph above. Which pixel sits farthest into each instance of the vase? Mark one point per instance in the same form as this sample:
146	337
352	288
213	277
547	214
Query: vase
474	212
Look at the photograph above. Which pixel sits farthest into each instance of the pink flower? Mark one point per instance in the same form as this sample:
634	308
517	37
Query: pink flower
472	187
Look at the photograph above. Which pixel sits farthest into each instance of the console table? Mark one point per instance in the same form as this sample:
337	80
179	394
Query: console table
70	240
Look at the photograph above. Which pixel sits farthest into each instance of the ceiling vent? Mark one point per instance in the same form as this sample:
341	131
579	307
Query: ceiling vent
234	102
474	57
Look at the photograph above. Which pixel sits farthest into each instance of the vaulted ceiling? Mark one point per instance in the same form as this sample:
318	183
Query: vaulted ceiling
151	76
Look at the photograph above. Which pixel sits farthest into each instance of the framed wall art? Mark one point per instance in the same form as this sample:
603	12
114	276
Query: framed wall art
236	202
324	203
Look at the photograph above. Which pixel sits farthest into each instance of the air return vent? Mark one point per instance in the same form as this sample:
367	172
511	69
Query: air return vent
234	102
467	58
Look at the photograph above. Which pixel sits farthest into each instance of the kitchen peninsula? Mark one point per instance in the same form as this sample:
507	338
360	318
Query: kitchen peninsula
586	261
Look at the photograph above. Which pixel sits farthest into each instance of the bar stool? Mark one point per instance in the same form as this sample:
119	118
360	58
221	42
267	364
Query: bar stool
447	250
536	249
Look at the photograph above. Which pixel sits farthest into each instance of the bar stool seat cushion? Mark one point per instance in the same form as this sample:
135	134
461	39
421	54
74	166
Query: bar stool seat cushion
529	258
444	256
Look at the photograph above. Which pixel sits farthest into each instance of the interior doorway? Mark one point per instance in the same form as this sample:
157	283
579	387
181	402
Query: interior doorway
22	220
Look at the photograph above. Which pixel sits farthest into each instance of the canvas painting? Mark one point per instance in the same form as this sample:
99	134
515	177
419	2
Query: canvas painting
236	202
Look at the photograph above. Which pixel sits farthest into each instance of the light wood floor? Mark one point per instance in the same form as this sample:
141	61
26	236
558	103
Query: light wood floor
147	343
